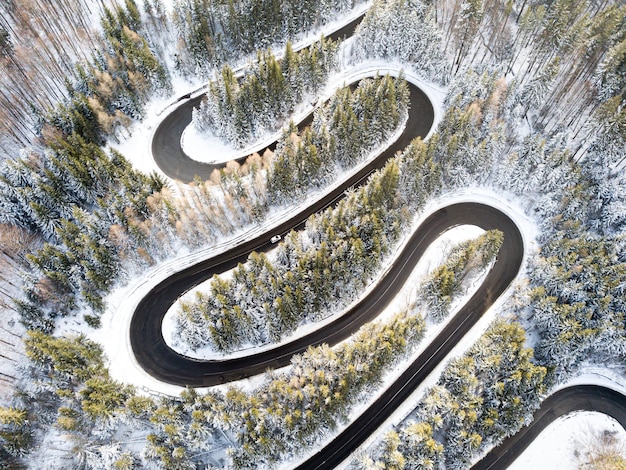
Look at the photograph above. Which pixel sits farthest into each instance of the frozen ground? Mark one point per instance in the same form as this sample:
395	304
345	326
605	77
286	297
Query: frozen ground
552	450
559	446
562	445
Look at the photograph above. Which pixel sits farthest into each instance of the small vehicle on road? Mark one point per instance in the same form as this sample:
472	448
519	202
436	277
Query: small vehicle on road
275	238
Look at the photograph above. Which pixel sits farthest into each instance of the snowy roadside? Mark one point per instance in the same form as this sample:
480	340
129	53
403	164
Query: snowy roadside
561	444
558	446
11	352
113	334
528	228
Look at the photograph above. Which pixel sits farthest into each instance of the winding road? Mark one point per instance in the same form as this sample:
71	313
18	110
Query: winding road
562	402
146	336
153	354
166	141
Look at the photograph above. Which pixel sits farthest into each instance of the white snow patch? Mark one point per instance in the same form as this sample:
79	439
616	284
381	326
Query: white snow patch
113	335
205	147
137	147
559	444
506	203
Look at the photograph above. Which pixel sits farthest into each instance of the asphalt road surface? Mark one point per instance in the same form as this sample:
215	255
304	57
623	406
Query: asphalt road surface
146	336
165	364
562	402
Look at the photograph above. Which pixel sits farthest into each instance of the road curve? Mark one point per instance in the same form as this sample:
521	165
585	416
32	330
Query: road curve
166	141
496	282
146	337
565	401
160	361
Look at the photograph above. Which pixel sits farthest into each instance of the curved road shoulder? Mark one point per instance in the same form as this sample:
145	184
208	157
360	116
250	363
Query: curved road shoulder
560	403
594	398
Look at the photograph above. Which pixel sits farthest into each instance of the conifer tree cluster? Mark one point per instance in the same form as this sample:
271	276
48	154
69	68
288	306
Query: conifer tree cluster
564	57
344	131
482	397
71	389
311	275
290	409
40	41
99	220
16	433
112	89
553	133
118	68
441	287
239	111
403	30
70	195
212	33
576	280
578	300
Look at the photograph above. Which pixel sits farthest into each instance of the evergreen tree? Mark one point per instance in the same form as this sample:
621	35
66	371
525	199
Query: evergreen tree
482	397
465	260
241	111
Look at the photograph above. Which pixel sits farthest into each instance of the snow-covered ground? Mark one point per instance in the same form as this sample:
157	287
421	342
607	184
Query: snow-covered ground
11	353
562	445
113	334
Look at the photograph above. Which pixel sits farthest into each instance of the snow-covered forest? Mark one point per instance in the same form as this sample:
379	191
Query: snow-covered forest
534	110
240	113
